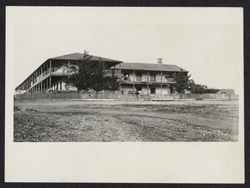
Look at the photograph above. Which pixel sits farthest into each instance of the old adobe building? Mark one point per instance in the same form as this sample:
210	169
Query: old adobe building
147	79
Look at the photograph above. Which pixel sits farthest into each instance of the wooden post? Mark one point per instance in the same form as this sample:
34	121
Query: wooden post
41	86
120	72
60	85
147	82
161	84
46	84
133	79
49	82
50	66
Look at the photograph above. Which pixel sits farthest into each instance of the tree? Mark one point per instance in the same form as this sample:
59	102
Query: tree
91	75
82	78
199	88
113	82
99	80
181	82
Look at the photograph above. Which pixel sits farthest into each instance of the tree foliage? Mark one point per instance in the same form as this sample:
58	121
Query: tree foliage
199	88
184	82
181	82
91	75
113	82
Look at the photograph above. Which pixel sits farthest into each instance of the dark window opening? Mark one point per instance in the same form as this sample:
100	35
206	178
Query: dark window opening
126	76
152	77
169	75
138	77
152	90
138	88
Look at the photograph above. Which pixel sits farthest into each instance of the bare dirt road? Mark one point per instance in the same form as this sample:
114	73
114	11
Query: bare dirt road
98	121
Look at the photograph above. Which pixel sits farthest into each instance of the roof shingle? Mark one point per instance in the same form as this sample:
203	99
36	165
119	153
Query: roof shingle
151	67
78	56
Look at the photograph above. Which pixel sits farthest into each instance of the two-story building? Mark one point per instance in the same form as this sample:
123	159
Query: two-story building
149	79
49	75
143	78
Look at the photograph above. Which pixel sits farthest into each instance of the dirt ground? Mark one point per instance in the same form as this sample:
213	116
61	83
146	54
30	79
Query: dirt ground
98	121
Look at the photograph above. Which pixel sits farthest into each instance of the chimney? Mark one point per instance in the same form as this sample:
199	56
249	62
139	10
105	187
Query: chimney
159	60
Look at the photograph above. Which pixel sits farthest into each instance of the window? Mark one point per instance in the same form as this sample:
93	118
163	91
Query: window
138	88
152	90
139	77
169	75
126	76
152	77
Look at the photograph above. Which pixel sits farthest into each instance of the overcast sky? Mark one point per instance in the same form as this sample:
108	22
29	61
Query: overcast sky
208	42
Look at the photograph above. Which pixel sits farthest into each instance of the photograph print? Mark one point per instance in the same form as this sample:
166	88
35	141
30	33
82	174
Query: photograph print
124	95
119	75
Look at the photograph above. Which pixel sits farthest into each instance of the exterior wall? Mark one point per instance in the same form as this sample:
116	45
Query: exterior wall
62	86
163	91
40	80
126	89
146	91
146	76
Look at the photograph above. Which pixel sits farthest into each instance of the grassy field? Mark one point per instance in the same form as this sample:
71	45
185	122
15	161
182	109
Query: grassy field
98	121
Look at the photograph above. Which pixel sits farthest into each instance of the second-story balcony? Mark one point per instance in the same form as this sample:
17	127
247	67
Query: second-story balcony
111	72
41	77
140	81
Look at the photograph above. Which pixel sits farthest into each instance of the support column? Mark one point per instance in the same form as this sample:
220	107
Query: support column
49	82
50	66
42	86
120	72
148	80
133	79
161	84
45	84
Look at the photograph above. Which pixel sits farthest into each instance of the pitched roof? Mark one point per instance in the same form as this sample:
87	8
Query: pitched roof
151	67
77	56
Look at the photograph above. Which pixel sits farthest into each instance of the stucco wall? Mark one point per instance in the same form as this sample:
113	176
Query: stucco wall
146	91
145	79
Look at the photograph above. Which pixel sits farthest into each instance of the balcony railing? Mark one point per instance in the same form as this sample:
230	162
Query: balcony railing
41	76
165	81
110	72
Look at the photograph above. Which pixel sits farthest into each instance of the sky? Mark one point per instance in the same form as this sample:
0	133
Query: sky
208	42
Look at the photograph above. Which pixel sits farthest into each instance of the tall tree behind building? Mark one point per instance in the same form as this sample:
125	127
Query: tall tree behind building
82	78
181	82
91	75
